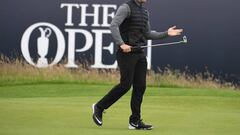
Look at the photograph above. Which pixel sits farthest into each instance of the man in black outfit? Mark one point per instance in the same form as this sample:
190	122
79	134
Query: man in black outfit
131	28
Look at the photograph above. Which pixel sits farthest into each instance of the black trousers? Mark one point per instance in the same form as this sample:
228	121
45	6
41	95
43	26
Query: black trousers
133	68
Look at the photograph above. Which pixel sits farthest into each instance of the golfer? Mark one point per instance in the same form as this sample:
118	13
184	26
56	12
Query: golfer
130	28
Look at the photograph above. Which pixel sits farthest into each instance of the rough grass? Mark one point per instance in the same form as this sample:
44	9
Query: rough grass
17	71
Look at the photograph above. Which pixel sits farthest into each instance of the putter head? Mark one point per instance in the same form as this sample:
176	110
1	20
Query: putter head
185	39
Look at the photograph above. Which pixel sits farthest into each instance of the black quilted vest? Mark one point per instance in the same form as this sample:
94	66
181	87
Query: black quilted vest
135	26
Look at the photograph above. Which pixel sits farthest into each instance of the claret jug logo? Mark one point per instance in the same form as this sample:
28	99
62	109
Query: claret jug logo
100	16
43	44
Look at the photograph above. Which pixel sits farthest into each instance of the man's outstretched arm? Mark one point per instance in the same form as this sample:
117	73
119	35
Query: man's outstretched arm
153	35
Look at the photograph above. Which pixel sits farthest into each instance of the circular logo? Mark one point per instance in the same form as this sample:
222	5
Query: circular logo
43	44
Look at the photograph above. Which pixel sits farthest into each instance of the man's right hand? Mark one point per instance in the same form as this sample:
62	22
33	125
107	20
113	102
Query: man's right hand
125	48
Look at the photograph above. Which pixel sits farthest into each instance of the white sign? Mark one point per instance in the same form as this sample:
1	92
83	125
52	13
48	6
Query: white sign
93	37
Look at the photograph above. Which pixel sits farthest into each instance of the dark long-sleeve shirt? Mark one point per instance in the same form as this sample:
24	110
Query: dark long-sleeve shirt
124	12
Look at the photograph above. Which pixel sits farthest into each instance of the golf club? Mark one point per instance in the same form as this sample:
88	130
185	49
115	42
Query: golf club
184	41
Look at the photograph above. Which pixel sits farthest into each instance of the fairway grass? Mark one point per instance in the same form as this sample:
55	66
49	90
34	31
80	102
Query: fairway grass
65	109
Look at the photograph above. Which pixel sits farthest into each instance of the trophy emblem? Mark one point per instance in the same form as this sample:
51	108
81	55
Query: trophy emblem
42	46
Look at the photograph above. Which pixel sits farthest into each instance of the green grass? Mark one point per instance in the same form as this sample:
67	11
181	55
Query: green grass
65	109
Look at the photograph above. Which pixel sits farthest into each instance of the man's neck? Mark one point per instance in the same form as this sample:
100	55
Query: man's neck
138	3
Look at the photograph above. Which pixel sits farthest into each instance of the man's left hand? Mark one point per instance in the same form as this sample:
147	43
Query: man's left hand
174	32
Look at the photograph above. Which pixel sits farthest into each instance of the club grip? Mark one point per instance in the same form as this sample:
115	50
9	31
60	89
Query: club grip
137	49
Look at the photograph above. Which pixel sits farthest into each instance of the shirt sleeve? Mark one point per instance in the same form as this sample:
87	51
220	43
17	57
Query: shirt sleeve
122	13
153	35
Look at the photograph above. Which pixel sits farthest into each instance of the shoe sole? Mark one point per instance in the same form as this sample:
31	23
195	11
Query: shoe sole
96	121
134	128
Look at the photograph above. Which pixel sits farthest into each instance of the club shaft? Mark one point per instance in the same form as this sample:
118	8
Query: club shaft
164	44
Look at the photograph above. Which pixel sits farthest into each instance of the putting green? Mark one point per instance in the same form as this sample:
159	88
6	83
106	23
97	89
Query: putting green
65	109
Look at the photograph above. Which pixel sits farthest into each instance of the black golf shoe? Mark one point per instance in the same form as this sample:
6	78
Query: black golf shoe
139	125
97	115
